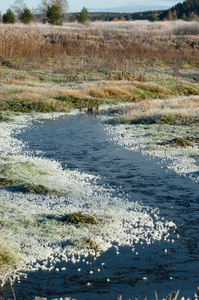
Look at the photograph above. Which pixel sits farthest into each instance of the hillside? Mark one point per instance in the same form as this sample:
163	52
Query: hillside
188	8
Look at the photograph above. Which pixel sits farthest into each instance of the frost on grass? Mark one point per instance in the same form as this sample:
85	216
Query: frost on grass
81	218
173	141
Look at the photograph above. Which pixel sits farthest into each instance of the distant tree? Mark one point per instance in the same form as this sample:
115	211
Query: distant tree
55	15
192	16
184	18
63	5
155	17
0	18
18	7
84	16
26	16
169	16
175	17
129	17
123	19
9	17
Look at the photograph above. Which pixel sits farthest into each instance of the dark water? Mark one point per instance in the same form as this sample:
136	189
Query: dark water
80	142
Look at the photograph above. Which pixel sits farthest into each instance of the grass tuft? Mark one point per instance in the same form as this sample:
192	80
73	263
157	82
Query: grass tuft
80	218
8	256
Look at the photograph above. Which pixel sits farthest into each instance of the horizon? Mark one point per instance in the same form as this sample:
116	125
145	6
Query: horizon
113	6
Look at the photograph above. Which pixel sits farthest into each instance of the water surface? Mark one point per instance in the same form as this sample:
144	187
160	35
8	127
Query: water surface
80	142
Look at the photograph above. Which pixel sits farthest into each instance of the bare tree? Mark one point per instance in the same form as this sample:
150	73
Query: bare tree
45	4
63	4
19	5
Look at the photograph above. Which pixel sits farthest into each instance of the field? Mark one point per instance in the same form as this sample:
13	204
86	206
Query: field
45	68
152	67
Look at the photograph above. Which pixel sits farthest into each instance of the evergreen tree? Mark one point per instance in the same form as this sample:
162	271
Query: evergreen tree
192	16
26	16
46	4
9	17
84	16
175	17
184	18
155	18
55	15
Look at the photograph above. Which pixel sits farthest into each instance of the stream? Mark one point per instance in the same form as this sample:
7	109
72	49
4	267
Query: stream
80	142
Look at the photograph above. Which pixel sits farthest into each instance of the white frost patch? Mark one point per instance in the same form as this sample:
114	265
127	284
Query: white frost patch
145	138
31	222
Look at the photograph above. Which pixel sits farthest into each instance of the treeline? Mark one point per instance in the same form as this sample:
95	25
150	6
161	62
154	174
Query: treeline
188	10
106	16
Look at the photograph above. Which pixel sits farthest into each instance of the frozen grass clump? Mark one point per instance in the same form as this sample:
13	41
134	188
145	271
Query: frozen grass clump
9	256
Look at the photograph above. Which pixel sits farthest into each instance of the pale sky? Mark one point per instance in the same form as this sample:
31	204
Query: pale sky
101	5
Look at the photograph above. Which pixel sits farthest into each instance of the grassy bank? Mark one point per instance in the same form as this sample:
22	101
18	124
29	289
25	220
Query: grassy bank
175	111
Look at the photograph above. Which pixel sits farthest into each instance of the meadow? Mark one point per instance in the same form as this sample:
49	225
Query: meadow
50	68
151	66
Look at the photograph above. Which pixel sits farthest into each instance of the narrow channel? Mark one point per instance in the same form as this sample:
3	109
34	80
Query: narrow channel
81	143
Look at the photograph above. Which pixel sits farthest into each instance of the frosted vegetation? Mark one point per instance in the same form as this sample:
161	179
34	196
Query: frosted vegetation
36	218
51	214
164	128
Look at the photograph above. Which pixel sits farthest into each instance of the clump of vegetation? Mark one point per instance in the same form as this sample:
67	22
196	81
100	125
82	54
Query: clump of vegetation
7	254
177	119
27	187
4	117
80	218
79	102
28	106
6	182
88	243
175	111
178	142
37	189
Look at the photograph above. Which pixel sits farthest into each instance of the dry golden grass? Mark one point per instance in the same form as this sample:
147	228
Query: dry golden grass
184	110
45	64
7	255
167	41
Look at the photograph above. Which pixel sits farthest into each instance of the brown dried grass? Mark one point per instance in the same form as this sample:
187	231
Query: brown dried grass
186	108
113	44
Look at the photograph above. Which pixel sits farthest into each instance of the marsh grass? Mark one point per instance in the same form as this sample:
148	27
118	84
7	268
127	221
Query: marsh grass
99	40
46	69
174	111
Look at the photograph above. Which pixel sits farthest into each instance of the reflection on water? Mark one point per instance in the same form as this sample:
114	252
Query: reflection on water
80	142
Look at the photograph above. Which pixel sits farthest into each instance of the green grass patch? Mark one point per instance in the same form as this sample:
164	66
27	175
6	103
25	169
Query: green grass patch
80	218
8	256
25	106
178	142
78	102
